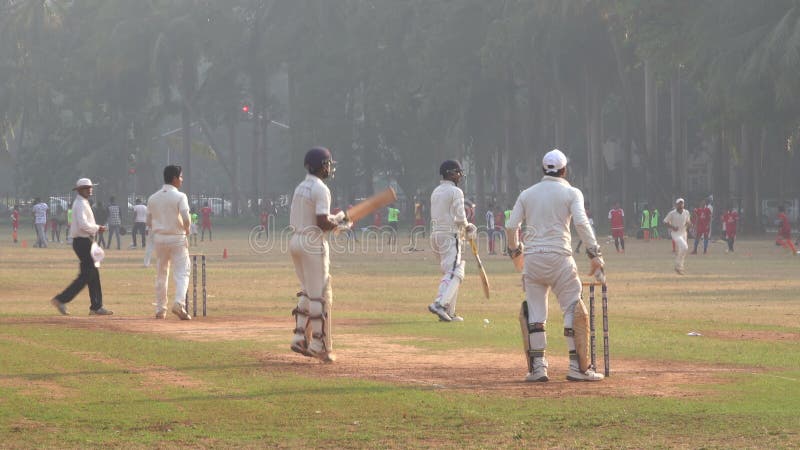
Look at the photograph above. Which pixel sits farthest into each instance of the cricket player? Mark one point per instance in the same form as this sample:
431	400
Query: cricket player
678	220
702	225
310	219
449	226
617	218
784	230
169	222
547	208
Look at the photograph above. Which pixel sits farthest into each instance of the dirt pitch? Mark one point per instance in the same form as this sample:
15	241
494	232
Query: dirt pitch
396	360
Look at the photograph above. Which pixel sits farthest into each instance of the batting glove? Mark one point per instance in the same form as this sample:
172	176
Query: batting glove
471	231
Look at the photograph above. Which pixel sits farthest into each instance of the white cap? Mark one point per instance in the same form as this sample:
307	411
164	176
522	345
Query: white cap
82	183
679	200
554	161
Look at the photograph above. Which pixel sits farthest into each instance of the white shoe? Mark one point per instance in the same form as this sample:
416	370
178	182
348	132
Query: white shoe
439	311
539	371
321	354
161	314
589	375
455	318
180	311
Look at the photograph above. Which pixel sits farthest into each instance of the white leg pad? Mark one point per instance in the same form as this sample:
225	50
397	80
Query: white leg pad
452	282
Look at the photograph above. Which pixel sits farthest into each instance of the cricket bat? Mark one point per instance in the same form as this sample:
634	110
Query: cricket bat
371	204
481	270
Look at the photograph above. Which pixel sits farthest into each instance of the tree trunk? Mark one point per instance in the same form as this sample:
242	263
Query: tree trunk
234	167
186	125
651	136
678	164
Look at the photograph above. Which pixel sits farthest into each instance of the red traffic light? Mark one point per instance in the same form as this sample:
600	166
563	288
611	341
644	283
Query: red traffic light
245	108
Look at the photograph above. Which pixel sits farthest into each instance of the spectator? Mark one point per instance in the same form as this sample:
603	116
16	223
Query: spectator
206	212
114	222
40	221
101	218
139	223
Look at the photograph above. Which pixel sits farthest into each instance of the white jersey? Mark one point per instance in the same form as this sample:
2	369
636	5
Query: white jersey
447	208
680	220
548	207
168	212
140	213
311	199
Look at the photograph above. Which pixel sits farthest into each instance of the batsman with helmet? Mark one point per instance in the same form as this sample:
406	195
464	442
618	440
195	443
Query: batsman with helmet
310	219
449	226
547	208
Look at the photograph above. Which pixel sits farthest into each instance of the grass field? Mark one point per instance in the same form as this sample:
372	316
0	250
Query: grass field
403	380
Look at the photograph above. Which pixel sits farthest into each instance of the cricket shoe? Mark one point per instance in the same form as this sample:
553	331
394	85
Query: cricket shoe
301	347
439	311
539	371
179	311
680	271
161	314
589	375
321	354
61	307
100	312
456	318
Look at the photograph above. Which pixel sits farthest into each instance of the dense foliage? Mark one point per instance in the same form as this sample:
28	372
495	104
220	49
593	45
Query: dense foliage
635	91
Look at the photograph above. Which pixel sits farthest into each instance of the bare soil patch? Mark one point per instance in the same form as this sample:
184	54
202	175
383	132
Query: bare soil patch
397	360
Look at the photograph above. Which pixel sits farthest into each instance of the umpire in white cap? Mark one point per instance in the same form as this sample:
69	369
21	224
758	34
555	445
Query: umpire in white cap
82	230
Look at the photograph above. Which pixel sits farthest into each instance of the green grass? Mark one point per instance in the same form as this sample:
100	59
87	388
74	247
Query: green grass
68	384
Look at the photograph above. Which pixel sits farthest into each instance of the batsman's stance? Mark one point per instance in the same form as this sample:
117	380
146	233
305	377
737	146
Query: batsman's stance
547	208
448	226
309	219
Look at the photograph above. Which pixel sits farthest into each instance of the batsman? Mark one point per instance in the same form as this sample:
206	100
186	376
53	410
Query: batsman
310	219
448	226
547	208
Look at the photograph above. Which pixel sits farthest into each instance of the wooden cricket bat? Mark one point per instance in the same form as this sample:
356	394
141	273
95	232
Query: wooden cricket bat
371	204
481	270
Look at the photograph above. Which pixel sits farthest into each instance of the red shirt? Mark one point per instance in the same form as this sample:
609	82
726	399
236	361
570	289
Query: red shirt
703	216
785	227
499	219
264	219
617	218
205	211
730	218
15	218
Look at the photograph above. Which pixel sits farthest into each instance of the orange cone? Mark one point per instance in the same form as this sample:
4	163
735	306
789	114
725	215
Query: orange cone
225	253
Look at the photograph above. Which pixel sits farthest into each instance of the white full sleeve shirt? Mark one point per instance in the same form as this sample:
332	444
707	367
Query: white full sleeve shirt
447	208
83	224
548	207
168	212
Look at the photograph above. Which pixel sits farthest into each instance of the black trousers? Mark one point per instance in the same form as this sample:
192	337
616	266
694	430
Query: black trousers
88	276
141	228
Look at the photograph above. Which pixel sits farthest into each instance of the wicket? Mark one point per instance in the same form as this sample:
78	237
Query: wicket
194	284
604	291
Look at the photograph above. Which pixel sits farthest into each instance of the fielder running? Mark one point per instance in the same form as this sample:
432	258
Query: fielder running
448	226
547	208
309	219
678	220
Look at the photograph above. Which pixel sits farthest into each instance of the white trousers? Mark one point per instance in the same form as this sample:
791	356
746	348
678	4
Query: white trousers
311	264
546	271
447	247
681	248
172	252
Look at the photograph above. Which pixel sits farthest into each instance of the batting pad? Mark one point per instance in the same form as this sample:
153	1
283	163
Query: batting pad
580	327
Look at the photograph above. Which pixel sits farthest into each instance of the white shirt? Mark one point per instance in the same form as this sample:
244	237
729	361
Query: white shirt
83	224
311	198
140	213
489	220
40	213
680	220
447	208
168	211
547	208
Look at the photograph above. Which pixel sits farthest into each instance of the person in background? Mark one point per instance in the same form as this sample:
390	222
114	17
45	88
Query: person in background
490	228
729	222
784	238
702	221
15	224
139	223
114	222
617	218
40	221
206	213
654	218
55	227
193	228
678	221
645	223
